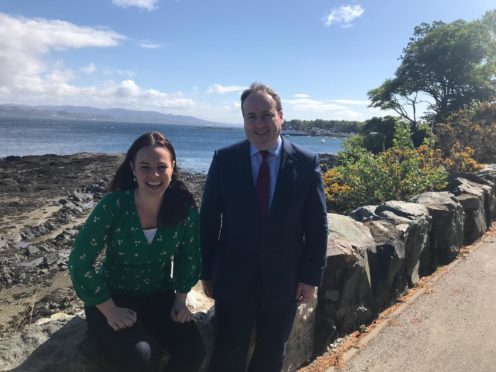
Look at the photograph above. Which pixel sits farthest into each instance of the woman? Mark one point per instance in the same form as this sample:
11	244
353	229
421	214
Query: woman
135	303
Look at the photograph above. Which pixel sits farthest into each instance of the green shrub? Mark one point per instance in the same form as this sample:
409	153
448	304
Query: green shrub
362	178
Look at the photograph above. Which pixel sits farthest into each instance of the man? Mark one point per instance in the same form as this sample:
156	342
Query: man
263	237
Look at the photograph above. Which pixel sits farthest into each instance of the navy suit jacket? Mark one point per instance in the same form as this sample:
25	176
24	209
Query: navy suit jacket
250	258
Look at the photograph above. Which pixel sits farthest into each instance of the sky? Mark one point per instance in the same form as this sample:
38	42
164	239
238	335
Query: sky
194	57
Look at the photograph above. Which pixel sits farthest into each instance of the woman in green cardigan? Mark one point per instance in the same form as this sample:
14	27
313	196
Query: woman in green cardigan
147	228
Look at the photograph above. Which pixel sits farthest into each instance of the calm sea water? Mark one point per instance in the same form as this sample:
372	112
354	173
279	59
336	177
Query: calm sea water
194	145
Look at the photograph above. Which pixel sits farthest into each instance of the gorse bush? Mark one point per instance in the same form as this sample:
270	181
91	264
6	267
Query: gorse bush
473	128
460	160
362	178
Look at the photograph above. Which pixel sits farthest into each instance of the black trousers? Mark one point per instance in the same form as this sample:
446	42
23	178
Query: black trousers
234	323
139	348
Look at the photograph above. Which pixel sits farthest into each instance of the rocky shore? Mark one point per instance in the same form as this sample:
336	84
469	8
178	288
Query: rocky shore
43	201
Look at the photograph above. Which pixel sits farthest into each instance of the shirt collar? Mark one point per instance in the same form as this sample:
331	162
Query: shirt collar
274	150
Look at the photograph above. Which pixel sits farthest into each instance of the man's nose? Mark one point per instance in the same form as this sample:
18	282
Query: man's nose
260	120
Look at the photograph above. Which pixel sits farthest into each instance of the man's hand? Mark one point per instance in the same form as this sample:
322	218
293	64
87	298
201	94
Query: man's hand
118	318
304	293
208	288
179	311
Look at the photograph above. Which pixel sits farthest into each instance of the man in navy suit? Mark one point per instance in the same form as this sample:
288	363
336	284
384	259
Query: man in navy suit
263	237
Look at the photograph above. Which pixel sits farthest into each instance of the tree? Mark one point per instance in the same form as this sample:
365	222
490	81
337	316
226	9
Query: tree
453	65
378	133
391	95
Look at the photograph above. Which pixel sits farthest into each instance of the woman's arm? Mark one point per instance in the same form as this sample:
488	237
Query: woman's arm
91	240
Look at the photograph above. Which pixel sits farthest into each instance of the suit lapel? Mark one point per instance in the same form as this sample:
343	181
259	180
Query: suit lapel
246	177
285	178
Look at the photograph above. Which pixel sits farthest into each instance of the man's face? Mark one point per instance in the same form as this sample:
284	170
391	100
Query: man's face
263	122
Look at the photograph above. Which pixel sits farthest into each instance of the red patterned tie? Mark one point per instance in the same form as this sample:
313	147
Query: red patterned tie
263	185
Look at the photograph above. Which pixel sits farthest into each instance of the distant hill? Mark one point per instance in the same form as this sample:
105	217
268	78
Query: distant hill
96	114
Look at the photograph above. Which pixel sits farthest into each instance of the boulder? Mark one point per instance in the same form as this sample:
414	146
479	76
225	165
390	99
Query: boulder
476	199
387	264
61	343
446	235
345	297
300	345
413	223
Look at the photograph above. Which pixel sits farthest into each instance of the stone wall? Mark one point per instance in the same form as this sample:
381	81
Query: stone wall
378	252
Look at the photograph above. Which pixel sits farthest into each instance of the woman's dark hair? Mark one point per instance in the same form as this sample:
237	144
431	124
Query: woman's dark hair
177	199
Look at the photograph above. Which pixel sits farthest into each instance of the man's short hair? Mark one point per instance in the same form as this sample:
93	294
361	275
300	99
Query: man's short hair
258	87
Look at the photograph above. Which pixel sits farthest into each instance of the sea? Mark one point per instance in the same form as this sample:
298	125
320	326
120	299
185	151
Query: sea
194	145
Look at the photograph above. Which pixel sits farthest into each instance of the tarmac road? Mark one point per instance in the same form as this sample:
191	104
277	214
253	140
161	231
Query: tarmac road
450	326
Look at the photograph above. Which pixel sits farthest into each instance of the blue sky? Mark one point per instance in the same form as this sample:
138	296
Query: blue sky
194	57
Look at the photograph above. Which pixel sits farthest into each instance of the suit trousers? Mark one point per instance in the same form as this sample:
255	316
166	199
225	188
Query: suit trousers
234	324
139	347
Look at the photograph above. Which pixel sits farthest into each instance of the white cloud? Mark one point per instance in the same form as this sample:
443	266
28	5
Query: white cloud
128	92
118	72
301	95
143	4
30	75
223	89
89	69
26	43
306	108
149	45
344	15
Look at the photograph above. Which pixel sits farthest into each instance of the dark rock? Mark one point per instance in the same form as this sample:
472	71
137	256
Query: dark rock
446	236
387	262
32	251
345	297
476	199
365	213
414	223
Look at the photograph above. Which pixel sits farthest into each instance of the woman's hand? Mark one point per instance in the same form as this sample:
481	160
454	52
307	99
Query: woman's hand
180	312
118	318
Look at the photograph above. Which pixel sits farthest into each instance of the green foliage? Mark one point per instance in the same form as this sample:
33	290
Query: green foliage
362	178
378	133
333	126
453	65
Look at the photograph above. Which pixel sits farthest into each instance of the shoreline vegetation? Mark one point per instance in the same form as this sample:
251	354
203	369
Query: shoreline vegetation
319	127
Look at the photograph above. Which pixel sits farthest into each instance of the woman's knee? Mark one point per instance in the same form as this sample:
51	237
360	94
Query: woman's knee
140	357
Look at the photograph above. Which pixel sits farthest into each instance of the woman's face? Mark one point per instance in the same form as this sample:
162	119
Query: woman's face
153	167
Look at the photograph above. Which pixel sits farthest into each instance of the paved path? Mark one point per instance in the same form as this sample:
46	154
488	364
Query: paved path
449	327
